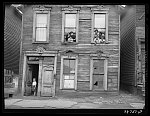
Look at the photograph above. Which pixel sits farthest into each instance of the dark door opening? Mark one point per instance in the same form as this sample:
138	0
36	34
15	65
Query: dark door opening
32	72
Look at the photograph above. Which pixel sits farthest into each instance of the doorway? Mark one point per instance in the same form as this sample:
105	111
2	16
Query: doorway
32	72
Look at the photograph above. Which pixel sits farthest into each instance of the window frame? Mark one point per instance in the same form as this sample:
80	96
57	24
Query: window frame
106	26
62	70
34	25
63	25
105	72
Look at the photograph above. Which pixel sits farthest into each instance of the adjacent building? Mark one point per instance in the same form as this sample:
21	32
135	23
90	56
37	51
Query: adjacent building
132	50
12	38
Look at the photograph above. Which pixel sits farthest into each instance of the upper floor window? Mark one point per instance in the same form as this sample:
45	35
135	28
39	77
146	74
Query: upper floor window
70	28
70	19
99	27
41	25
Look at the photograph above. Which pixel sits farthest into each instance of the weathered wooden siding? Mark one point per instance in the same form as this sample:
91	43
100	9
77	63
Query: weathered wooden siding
12	39
84	43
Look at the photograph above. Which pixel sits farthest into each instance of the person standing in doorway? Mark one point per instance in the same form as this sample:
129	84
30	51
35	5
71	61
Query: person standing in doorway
34	86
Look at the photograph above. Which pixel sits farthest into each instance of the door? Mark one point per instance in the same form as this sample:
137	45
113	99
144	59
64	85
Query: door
98	74
28	82
47	81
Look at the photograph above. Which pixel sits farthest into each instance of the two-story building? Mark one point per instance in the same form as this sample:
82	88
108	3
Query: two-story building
70	48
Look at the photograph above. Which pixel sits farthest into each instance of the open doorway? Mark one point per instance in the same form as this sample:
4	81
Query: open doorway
32	72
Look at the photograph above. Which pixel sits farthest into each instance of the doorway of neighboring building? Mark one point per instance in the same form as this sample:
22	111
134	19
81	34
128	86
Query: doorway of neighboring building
32	72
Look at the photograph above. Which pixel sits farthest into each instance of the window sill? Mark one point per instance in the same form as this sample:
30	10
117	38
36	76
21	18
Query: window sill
107	42
67	43
40	42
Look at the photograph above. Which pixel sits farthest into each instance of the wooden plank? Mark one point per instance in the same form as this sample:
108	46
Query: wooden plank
83	86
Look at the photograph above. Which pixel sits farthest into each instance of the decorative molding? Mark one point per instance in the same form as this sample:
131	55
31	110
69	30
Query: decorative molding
99	7
71	8
40	50
41	8
68	53
100	54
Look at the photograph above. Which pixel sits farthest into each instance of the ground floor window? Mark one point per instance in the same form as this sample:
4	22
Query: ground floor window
68	73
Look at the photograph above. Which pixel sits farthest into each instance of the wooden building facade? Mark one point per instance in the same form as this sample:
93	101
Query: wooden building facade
70	48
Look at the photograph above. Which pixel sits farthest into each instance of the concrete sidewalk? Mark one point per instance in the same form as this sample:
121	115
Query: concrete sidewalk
66	104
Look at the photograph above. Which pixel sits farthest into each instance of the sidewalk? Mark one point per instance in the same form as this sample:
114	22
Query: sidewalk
121	101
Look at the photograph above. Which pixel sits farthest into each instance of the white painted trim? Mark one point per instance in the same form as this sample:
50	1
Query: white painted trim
76	72
61	73
55	64
63	24
105	74
40	78
77	26
107	27
91	73
24	74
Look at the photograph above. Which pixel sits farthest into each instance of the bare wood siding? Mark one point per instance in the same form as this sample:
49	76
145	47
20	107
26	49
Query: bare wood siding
83	85
83	68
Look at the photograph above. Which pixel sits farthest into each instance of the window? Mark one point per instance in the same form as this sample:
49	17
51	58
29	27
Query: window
68	73
41	26
68	78
70	26
99	28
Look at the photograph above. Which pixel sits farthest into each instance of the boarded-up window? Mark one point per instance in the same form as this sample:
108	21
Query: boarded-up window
68	73
41	27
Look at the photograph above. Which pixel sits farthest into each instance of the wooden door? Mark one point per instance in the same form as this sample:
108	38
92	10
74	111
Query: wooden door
28	83
47	81
98	74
